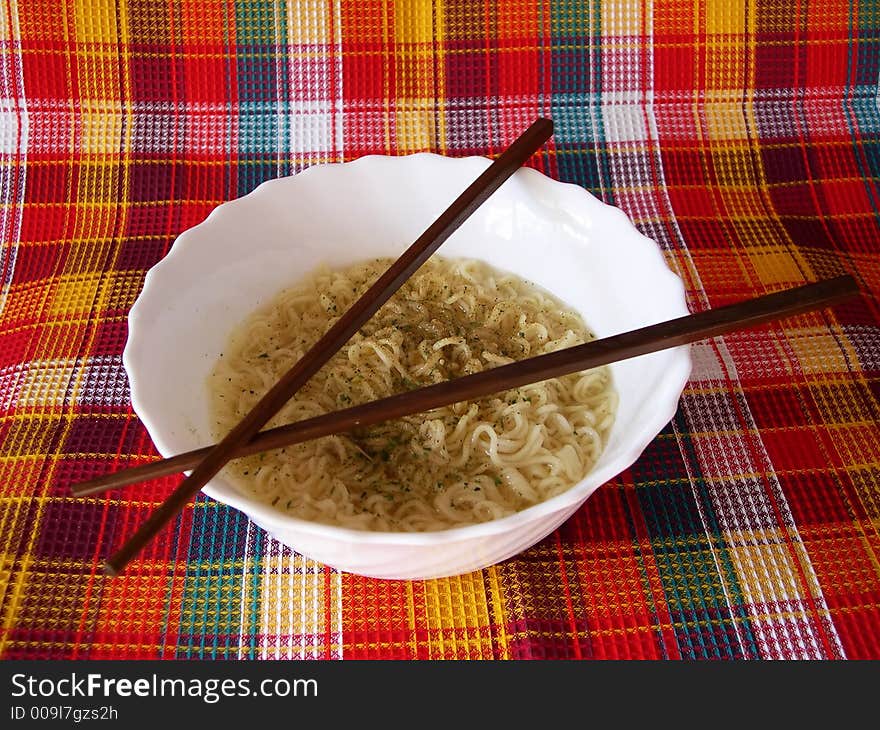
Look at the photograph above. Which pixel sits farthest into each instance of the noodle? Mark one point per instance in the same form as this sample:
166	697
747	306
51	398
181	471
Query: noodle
461	464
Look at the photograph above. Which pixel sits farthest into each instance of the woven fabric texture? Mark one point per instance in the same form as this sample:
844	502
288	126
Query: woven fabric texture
741	136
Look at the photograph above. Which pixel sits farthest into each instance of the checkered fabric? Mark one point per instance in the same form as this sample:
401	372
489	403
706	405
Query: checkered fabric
741	136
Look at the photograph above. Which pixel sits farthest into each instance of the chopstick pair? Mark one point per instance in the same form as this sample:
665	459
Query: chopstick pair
642	341
213	459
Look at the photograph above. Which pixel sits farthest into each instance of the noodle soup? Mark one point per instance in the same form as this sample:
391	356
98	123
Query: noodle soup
466	463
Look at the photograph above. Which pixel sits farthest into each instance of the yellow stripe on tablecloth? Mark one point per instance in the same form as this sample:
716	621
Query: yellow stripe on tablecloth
727	17
455	612
75	293
440	73
499	612
9	27
414	91
298	610
778	266
309	23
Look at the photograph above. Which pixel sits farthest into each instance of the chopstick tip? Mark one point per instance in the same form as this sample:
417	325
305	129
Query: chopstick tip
545	124
110	569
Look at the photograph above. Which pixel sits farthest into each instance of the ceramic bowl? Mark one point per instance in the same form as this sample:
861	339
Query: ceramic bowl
557	235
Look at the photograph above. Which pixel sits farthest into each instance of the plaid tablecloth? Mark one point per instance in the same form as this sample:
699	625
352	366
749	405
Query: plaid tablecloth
741	136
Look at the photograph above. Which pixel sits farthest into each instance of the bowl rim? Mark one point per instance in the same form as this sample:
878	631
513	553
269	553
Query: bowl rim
677	374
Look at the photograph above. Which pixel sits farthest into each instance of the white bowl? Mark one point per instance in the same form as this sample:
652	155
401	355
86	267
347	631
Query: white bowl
556	235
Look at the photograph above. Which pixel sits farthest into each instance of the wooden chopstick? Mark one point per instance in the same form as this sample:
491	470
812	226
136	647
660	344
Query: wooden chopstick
642	341
350	322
